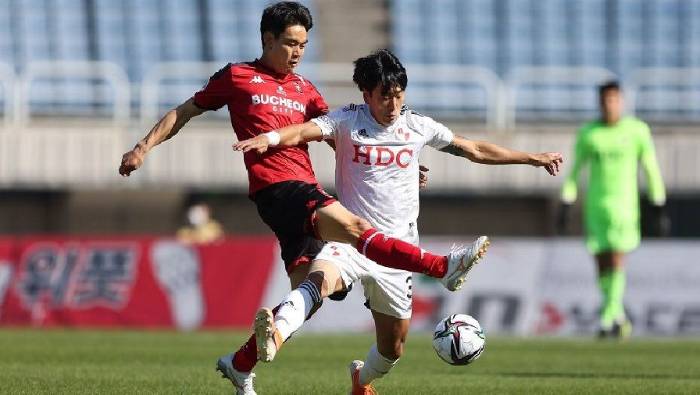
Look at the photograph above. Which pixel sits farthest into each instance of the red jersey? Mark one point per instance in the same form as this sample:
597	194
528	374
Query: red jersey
260	100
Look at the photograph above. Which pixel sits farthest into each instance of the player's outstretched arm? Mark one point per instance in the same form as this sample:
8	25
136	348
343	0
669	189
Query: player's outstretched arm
492	154
167	127
288	136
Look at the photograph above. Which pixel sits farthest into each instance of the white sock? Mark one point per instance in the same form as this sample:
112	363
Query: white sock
376	366
295	307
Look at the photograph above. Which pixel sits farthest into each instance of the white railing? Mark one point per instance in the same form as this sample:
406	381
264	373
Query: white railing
34	155
551	77
335	80
466	75
87	70
154	78
451	87
686	80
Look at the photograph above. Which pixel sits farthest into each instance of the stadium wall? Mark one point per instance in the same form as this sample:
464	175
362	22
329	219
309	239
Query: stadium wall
526	286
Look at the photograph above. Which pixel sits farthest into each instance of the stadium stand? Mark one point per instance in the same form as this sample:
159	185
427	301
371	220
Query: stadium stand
521	73
100	30
621	36
628	38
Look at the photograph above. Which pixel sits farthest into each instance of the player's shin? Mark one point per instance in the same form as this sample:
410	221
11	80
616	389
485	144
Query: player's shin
614	289
398	254
295	307
376	366
271	331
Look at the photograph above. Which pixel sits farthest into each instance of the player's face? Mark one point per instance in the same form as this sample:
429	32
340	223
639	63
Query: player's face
385	106
284	53
611	106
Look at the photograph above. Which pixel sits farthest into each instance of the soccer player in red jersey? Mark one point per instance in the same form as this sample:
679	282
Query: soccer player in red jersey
265	95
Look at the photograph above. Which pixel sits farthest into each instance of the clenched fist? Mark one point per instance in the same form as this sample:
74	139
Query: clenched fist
131	161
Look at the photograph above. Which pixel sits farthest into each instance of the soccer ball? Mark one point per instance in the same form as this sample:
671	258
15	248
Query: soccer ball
458	339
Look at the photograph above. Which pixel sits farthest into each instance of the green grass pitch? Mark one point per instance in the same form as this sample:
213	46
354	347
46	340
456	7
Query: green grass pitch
161	362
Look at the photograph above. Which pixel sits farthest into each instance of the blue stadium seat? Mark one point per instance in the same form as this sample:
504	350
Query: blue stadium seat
70	37
690	34
445	45
663	30
249	28
70	40
407	29
33	36
234	30
7	44
111	32
587	26
181	39
223	30
144	36
478	30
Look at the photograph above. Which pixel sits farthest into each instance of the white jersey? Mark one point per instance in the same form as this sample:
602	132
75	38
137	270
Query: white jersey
376	174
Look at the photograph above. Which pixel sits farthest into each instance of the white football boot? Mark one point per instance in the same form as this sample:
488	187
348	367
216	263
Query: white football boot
267	337
461	259
242	381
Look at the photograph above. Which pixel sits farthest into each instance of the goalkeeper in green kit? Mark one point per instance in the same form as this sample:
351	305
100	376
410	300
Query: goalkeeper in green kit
612	147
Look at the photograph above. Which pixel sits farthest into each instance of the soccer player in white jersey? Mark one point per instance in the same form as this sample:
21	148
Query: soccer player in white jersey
377	148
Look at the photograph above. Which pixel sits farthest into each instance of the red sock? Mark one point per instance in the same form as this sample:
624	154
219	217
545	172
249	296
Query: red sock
245	359
397	254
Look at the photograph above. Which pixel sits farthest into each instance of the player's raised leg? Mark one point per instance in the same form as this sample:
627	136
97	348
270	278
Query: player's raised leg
335	223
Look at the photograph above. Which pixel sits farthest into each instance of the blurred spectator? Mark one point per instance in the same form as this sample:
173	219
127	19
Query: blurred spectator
201	227
612	147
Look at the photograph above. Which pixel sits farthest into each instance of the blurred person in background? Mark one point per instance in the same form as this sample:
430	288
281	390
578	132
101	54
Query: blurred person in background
201	227
613	146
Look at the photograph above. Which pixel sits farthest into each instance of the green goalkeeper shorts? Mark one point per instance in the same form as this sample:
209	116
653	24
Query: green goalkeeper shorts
607	234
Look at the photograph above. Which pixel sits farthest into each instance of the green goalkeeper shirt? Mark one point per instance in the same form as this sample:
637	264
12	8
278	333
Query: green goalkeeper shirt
614	152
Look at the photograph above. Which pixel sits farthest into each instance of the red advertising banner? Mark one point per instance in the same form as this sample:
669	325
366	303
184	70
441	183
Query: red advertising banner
143	282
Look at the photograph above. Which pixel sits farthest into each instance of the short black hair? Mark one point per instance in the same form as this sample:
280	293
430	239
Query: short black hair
380	68
279	16
611	85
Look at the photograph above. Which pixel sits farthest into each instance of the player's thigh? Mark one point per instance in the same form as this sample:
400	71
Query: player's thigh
342	263
391	334
336	223
326	276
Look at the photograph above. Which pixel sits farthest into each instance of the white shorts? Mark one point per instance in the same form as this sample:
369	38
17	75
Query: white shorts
388	291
